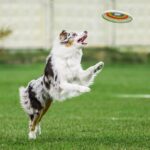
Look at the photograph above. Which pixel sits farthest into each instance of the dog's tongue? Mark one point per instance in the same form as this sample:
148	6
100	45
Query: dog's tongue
83	39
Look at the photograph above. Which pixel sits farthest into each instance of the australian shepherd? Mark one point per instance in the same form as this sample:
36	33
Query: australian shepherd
63	78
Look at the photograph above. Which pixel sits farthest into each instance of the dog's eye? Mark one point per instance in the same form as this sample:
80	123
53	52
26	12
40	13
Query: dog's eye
74	34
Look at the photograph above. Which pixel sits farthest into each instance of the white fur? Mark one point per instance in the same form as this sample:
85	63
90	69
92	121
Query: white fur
32	135
38	129
67	64
25	101
71	81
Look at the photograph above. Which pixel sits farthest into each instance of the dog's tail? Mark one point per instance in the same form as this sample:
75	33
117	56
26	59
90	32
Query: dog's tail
25	101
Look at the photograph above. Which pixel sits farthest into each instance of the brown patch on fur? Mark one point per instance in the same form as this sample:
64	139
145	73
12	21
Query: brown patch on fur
36	118
63	35
45	109
69	43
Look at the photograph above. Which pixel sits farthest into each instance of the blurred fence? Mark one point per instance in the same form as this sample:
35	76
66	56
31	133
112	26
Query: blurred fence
35	23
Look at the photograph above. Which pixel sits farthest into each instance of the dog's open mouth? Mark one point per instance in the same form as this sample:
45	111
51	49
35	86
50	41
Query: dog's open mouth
82	40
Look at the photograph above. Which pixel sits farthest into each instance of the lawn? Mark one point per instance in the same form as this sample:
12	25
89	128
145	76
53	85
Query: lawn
98	120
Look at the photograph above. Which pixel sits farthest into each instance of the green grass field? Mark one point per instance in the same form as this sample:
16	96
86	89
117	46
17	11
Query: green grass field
97	120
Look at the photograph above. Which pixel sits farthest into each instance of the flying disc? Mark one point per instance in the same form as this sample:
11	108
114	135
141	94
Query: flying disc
117	16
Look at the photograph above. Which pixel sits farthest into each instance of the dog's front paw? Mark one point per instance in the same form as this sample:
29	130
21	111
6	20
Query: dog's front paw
84	89
98	66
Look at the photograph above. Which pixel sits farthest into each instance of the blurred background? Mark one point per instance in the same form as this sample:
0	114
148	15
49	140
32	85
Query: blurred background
32	25
115	114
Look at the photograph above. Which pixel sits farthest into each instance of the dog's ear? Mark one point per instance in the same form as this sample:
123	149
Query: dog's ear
63	36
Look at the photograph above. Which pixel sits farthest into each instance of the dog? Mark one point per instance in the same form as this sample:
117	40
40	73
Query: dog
63	78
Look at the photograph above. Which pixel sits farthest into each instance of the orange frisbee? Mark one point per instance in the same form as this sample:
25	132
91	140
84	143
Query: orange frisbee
117	16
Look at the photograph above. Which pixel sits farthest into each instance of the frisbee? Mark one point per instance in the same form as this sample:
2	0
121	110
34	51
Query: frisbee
117	16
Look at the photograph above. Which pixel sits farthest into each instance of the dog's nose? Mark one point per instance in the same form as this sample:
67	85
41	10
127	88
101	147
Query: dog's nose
85	32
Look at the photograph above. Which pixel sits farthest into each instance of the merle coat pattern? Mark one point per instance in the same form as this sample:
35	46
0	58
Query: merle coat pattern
63	78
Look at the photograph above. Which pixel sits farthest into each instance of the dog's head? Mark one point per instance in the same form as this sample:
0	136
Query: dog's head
72	39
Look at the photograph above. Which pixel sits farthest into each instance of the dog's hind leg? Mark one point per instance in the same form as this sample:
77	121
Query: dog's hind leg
45	109
34	126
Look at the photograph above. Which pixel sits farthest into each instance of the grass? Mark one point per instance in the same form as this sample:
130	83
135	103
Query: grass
94	121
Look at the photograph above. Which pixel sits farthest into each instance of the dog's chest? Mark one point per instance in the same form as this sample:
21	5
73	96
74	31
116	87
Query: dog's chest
72	67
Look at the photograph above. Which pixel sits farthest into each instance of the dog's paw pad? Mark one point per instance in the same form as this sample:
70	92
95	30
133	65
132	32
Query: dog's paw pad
98	67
